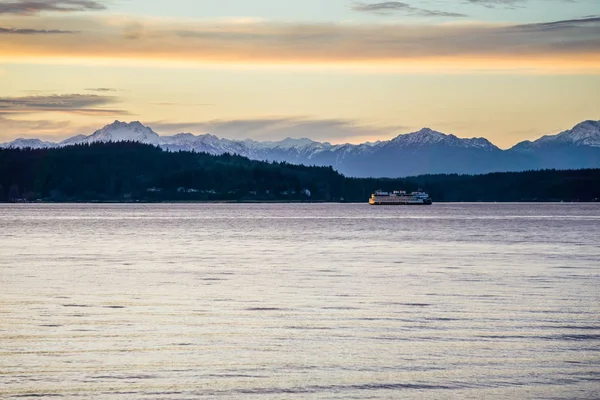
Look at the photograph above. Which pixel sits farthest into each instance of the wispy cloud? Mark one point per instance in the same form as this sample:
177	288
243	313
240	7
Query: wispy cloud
499	3
25	31
13	128
336	130
68	103
101	90
511	4
182	104
391	7
26	7
556	46
592	21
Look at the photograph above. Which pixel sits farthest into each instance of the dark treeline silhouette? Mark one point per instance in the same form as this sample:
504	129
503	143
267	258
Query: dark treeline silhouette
136	172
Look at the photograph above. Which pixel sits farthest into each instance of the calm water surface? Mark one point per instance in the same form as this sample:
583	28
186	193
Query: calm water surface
300	301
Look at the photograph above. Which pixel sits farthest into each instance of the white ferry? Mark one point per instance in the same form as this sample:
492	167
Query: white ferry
399	197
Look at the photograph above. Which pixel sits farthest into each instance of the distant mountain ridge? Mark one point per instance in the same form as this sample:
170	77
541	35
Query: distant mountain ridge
423	152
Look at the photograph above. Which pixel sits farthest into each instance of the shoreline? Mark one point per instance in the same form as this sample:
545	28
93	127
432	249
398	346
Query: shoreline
294	202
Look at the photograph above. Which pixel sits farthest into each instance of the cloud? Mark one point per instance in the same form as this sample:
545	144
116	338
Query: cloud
68	103
182	104
511	4
133	30
570	45
495	3
25	7
101	90
336	130
13	128
565	24
35	31
390	7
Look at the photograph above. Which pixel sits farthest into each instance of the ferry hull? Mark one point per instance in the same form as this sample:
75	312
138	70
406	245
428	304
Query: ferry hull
398	203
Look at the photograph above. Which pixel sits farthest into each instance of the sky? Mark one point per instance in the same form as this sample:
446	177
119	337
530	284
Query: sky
341	71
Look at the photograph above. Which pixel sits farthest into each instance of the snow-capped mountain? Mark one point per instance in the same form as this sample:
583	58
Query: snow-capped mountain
285	143
116	132
22	143
578	147
121	131
421	152
202	143
427	137
586	133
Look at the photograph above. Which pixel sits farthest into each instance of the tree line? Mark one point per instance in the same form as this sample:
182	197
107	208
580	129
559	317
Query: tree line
129	171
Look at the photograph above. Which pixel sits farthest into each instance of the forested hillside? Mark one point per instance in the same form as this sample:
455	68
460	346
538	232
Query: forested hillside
129	171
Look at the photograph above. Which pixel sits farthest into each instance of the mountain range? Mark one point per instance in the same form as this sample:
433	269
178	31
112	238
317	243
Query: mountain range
423	152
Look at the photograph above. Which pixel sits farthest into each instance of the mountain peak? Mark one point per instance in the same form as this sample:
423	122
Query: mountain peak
428	131
120	131
428	136
184	135
116	124
586	133
120	124
422	137
587	124
291	142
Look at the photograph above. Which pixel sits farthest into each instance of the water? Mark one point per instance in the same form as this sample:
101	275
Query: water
300	301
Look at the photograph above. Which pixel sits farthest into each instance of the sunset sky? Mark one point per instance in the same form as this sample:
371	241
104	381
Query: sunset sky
330	70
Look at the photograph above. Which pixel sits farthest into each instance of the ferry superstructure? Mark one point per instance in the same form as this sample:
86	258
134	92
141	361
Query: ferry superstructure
399	198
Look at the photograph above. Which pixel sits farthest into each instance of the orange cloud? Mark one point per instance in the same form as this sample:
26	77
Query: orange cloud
562	46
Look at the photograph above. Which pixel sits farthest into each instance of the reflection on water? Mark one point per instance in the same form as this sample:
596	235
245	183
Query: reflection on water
300	301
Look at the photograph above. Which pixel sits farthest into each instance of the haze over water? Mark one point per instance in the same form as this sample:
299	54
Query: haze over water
331	301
